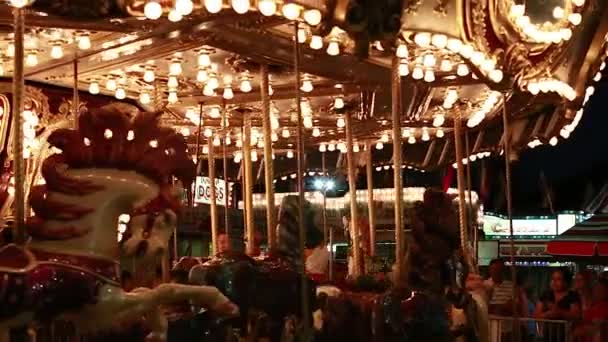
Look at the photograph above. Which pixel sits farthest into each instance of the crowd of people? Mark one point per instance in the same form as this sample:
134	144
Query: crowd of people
581	301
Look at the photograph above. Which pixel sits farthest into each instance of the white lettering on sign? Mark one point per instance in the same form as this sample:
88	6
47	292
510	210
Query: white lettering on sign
202	191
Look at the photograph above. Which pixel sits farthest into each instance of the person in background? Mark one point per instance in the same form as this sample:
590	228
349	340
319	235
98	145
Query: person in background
583	287
223	243
594	327
559	302
500	290
317	261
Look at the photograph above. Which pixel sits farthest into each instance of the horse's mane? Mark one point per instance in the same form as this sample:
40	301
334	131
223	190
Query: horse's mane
107	139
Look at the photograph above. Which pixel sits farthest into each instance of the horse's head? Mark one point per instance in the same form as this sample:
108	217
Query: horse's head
111	164
149	234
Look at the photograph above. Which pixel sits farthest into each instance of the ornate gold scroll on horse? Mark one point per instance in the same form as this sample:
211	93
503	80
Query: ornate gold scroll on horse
110	165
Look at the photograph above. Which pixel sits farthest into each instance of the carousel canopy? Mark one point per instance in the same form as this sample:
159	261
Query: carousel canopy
201	62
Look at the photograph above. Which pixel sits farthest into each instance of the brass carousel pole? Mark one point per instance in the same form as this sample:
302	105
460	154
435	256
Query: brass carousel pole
18	98
370	199
327	232
396	116
507	154
248	185
471	223
300	160
213	205
268	164
225	170
352	190
460	177
198	143
76	99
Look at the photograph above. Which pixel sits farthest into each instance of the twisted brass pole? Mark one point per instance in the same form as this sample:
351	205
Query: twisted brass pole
227	192
213	204
300	160
18	99
460	177
248	184
268	163
396	116
352	193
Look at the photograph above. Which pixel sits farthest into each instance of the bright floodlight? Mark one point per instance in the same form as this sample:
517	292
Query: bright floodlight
319	184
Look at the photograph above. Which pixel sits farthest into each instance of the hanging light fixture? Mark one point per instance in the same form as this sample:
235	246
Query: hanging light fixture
175	68
285	133
289	154
56	50
184	7
307	85
111	84
94	88
144	97
291	11
172	98
149	74
172	82
267	7
438	120
316	42
215	112
439	133
213	6
84	42
174	16
333	49
322	148
379	145
245	84
31	59
340	123
240	6
153	10
204	60
404	68
120	93
339	102
312	17
316	132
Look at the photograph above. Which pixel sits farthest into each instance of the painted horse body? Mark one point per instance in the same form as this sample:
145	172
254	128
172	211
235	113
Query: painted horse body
270	285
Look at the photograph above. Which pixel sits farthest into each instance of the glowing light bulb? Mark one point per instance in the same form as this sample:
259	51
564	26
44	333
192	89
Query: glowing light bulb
267	7
339	102
144	98
333	49
120	93
84	42
438	120
175	68
316	42
274	137
425	135
215	112
57	51
289	154
153	10
462	70
172	98
31	59
439	133
322	148
10	50
172	82
204	60
228	93
240	6
429	76
423	39
307	86
111	84
245	85
402	51
216	141
208	91
379	145
340	123
19	3
558	12
213	6
575	18
312	17
411	140
174	16
404	68
439	40
429	60
446	65
291	11
302	35
108	134
184	7
208	132
384	138
285	133
418	73
553	141
316	132
94	88
578	3
149	75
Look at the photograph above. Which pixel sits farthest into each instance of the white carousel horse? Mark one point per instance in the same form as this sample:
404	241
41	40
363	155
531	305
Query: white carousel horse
108	166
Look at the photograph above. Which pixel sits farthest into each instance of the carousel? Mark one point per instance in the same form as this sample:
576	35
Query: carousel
109	111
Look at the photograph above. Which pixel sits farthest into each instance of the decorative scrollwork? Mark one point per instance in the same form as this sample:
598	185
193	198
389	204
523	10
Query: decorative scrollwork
441	7
411	6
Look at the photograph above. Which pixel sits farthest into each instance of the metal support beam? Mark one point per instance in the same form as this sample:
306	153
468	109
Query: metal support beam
397	171
268	163
213	205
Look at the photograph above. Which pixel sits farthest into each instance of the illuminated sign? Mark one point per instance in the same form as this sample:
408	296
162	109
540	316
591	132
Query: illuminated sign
202	191
498	226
